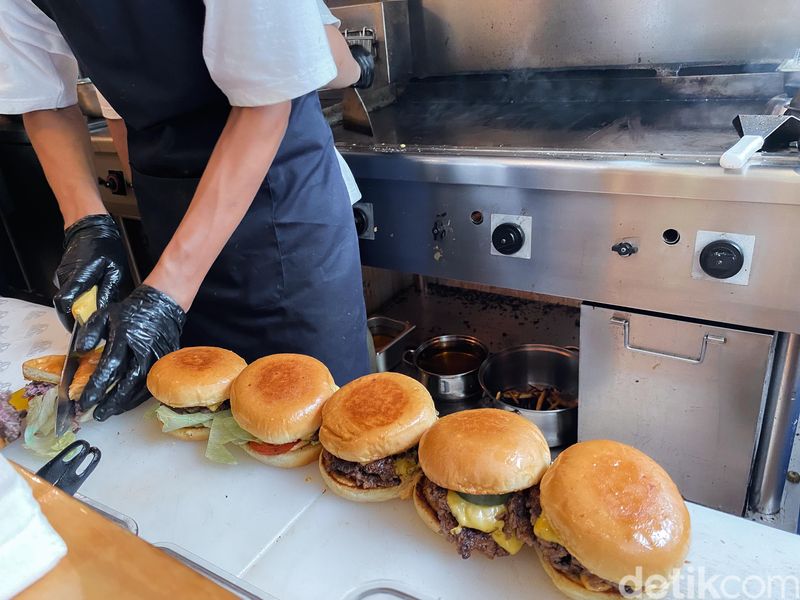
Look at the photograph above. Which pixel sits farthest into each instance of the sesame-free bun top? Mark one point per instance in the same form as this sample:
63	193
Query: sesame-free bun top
48	369
376	416
615	509
484	451
194	376
278	398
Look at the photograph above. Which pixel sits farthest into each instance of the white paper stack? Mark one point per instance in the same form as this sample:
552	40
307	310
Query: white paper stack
29	546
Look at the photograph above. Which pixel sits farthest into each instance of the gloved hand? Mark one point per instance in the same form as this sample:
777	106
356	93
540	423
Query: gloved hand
366	61
93	255
138	331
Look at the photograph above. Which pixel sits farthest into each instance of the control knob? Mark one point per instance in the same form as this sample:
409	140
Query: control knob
721	259
508	238
362	222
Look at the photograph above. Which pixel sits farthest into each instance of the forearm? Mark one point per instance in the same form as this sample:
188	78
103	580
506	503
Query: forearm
237	167
347	69
61	141
119	136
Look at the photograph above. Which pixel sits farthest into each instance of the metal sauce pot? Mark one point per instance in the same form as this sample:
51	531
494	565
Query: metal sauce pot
536	365
448	365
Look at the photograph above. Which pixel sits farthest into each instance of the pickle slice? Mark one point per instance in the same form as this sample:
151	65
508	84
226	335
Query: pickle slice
485	499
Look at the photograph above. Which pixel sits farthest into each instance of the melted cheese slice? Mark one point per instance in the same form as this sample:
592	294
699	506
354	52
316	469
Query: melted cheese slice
18	400
404	467
482	518
487	519
214	407
544	530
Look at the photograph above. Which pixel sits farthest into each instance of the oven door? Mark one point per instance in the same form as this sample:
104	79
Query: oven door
687	393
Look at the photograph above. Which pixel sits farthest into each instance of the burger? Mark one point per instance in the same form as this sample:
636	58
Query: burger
610	520
193	384
278	401
369	434
37	402
480	470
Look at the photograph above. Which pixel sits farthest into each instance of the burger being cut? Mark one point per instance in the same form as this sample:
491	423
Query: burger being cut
277	402
610	520
38	402
370	430
480	470
193	386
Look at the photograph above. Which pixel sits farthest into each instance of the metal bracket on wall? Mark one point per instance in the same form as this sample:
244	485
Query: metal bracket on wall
626	337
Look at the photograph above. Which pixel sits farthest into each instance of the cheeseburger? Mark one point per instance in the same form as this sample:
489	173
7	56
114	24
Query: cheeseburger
278	400
370	430
609	513
192	384
480	470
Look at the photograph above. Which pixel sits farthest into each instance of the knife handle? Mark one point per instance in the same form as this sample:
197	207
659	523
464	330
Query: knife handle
85	305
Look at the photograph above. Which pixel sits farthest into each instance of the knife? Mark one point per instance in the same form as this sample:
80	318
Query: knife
83	308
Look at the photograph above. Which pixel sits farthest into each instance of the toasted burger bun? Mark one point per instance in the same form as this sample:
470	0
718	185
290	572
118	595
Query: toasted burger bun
191	434
344	488
279	398
194	376
288	460
484	451
570	588
614	509
425	511
48	369
44	368
376	416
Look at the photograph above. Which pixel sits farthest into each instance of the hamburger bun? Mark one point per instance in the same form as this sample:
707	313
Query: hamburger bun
288	460
376	416
44	368
194	376
191	434
47	369
279	398
343	487
615	509
484	451
569	587
424	510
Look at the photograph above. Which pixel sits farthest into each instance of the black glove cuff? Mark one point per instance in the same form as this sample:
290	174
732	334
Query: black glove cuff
103	225
366	61
149	296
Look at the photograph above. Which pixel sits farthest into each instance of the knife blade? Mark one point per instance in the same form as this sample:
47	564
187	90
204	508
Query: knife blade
82	309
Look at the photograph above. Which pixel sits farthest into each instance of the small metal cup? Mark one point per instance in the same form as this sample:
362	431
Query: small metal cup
448	386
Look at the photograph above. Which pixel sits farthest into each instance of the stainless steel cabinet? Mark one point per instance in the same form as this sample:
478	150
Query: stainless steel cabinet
688	394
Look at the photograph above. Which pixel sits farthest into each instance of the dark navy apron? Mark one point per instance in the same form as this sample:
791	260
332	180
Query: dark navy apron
289	278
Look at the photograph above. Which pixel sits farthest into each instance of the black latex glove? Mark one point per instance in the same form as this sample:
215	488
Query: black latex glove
138	331
93	255
366	61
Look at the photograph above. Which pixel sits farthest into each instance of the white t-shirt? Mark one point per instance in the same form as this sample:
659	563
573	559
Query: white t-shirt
258	52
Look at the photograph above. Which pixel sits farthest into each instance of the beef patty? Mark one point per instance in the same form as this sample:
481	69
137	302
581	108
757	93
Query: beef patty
381	473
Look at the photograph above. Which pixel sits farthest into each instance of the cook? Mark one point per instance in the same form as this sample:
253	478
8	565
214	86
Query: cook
239	188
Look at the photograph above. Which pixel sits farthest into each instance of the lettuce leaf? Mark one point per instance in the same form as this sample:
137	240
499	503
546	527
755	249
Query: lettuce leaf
171	420
40	426
225	430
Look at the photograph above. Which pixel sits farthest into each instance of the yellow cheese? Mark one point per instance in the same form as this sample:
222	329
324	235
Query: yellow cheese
214	407
482	518
405	467
512	544
542	529
18	400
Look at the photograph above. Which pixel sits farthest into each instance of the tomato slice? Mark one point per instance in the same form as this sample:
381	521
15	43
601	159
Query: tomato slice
271	449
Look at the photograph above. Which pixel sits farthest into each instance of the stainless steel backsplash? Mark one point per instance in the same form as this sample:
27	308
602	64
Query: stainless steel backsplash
452	36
